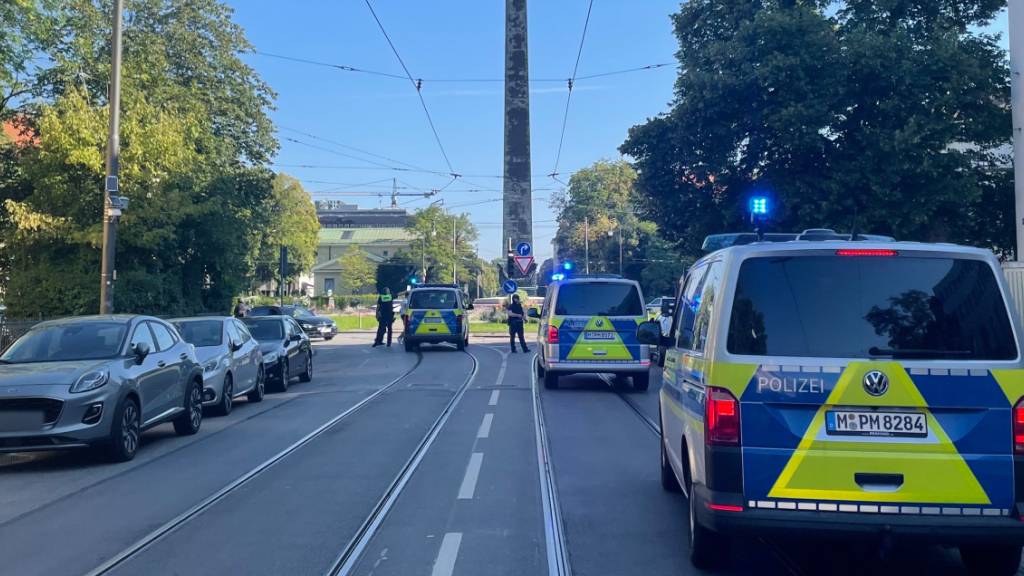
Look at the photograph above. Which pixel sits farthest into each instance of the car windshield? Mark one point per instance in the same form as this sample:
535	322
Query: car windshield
300	312
201	333
866	307
266	330
68	342
265	311
598	299
433	300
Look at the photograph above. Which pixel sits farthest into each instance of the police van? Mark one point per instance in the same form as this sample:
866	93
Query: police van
842	388
436	314
588	324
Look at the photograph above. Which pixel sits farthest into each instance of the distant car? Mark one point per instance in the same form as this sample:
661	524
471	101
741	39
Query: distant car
231	359
314	326
286	350
661	306
97	381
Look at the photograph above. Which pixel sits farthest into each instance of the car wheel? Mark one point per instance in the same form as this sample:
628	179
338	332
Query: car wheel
991	560
227	400
550	380
328	338
125	432
307	374
257	392
707	548
191	419
668	477
283	372
641	381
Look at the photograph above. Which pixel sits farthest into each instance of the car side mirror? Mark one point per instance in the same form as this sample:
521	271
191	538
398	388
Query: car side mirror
649	333
236	346
295	338
667	309
141	350
533	313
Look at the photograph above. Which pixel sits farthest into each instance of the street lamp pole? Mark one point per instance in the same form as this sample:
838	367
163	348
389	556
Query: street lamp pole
620	250
586	242
1015	16
112	207
455	250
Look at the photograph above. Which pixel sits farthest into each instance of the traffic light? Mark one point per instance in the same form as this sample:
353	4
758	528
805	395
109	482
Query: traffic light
510	265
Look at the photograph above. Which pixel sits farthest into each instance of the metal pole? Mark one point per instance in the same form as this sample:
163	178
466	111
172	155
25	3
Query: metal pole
455	250
111	214
586	242
1015	16
620	250
423	258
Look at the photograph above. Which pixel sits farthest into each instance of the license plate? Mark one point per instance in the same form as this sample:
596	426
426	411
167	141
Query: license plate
20	420
871	423
432	320
599	335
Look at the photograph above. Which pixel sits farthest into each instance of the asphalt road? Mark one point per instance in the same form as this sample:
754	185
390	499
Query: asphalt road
392	463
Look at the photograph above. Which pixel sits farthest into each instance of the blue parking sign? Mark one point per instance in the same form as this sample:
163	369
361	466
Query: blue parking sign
510	286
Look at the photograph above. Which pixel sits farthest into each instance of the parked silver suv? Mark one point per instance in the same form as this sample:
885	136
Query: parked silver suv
97	381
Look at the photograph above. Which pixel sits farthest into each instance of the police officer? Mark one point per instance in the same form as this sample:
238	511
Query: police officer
241	309
385	317
516	319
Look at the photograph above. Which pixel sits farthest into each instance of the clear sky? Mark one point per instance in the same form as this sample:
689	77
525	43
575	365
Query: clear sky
454	39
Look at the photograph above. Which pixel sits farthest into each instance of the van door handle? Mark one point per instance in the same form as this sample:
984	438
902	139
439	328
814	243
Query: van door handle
873	482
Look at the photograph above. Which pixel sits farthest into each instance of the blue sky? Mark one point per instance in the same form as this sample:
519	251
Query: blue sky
444	40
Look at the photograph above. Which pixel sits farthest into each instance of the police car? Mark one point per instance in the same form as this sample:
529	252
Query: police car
435	314
845	388
588	324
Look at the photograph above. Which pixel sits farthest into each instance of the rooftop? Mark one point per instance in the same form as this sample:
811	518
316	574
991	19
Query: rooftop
344	236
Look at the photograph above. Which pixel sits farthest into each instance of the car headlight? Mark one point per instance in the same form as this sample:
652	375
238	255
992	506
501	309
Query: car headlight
211	365
270	357
91	381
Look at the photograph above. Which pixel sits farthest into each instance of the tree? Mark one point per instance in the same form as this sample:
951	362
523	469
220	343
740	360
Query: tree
288	218
357	271
884	116
432	229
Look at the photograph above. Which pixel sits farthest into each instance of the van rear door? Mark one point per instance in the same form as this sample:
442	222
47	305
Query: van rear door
598	320
883	382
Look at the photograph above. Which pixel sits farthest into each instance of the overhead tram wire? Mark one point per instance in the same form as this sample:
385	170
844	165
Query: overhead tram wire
568	99
418	85
349	147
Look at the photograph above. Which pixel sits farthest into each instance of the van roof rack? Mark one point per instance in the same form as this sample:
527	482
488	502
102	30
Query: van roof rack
435	286
716	242
595	276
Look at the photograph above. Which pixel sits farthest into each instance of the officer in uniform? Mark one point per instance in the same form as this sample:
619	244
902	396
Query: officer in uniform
516	319
385	317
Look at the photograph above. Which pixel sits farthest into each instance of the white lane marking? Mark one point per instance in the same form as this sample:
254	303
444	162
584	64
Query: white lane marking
485	426
501	372
495	394
468	487
444	565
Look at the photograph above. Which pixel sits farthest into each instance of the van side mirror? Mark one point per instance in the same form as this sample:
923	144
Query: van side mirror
667	309
649	333
140	350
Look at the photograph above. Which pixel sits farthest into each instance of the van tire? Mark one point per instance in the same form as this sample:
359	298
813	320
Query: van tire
460	345
641	381
409	347
550	380
707	547
991	560
669	482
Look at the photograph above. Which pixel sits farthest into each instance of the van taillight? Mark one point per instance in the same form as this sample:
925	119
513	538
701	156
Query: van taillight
552	334
1018	427
721	418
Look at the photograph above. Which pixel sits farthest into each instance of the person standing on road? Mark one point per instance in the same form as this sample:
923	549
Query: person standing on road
516	321
241	309
385	317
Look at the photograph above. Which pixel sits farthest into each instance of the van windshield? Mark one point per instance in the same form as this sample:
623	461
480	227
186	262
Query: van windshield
598	299
908	307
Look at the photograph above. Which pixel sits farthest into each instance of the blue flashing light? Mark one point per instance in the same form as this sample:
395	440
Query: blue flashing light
759	206
414	280
567	265
557	277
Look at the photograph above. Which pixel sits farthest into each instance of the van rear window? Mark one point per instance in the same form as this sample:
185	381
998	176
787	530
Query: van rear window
598	299
433	300
905	307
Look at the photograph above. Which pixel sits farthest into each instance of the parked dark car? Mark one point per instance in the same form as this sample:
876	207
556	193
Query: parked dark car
287	352
314	326
97	381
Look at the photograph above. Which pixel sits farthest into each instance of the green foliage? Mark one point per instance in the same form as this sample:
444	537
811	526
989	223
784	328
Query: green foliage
432	229
890	114
287	218
357	271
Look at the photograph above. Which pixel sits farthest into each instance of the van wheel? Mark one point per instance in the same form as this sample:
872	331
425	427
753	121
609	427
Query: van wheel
707	548
991	560
641	381
668	478
408	345
550	380
460	345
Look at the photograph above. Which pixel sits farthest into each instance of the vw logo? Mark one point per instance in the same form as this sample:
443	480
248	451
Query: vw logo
876	383
600	323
